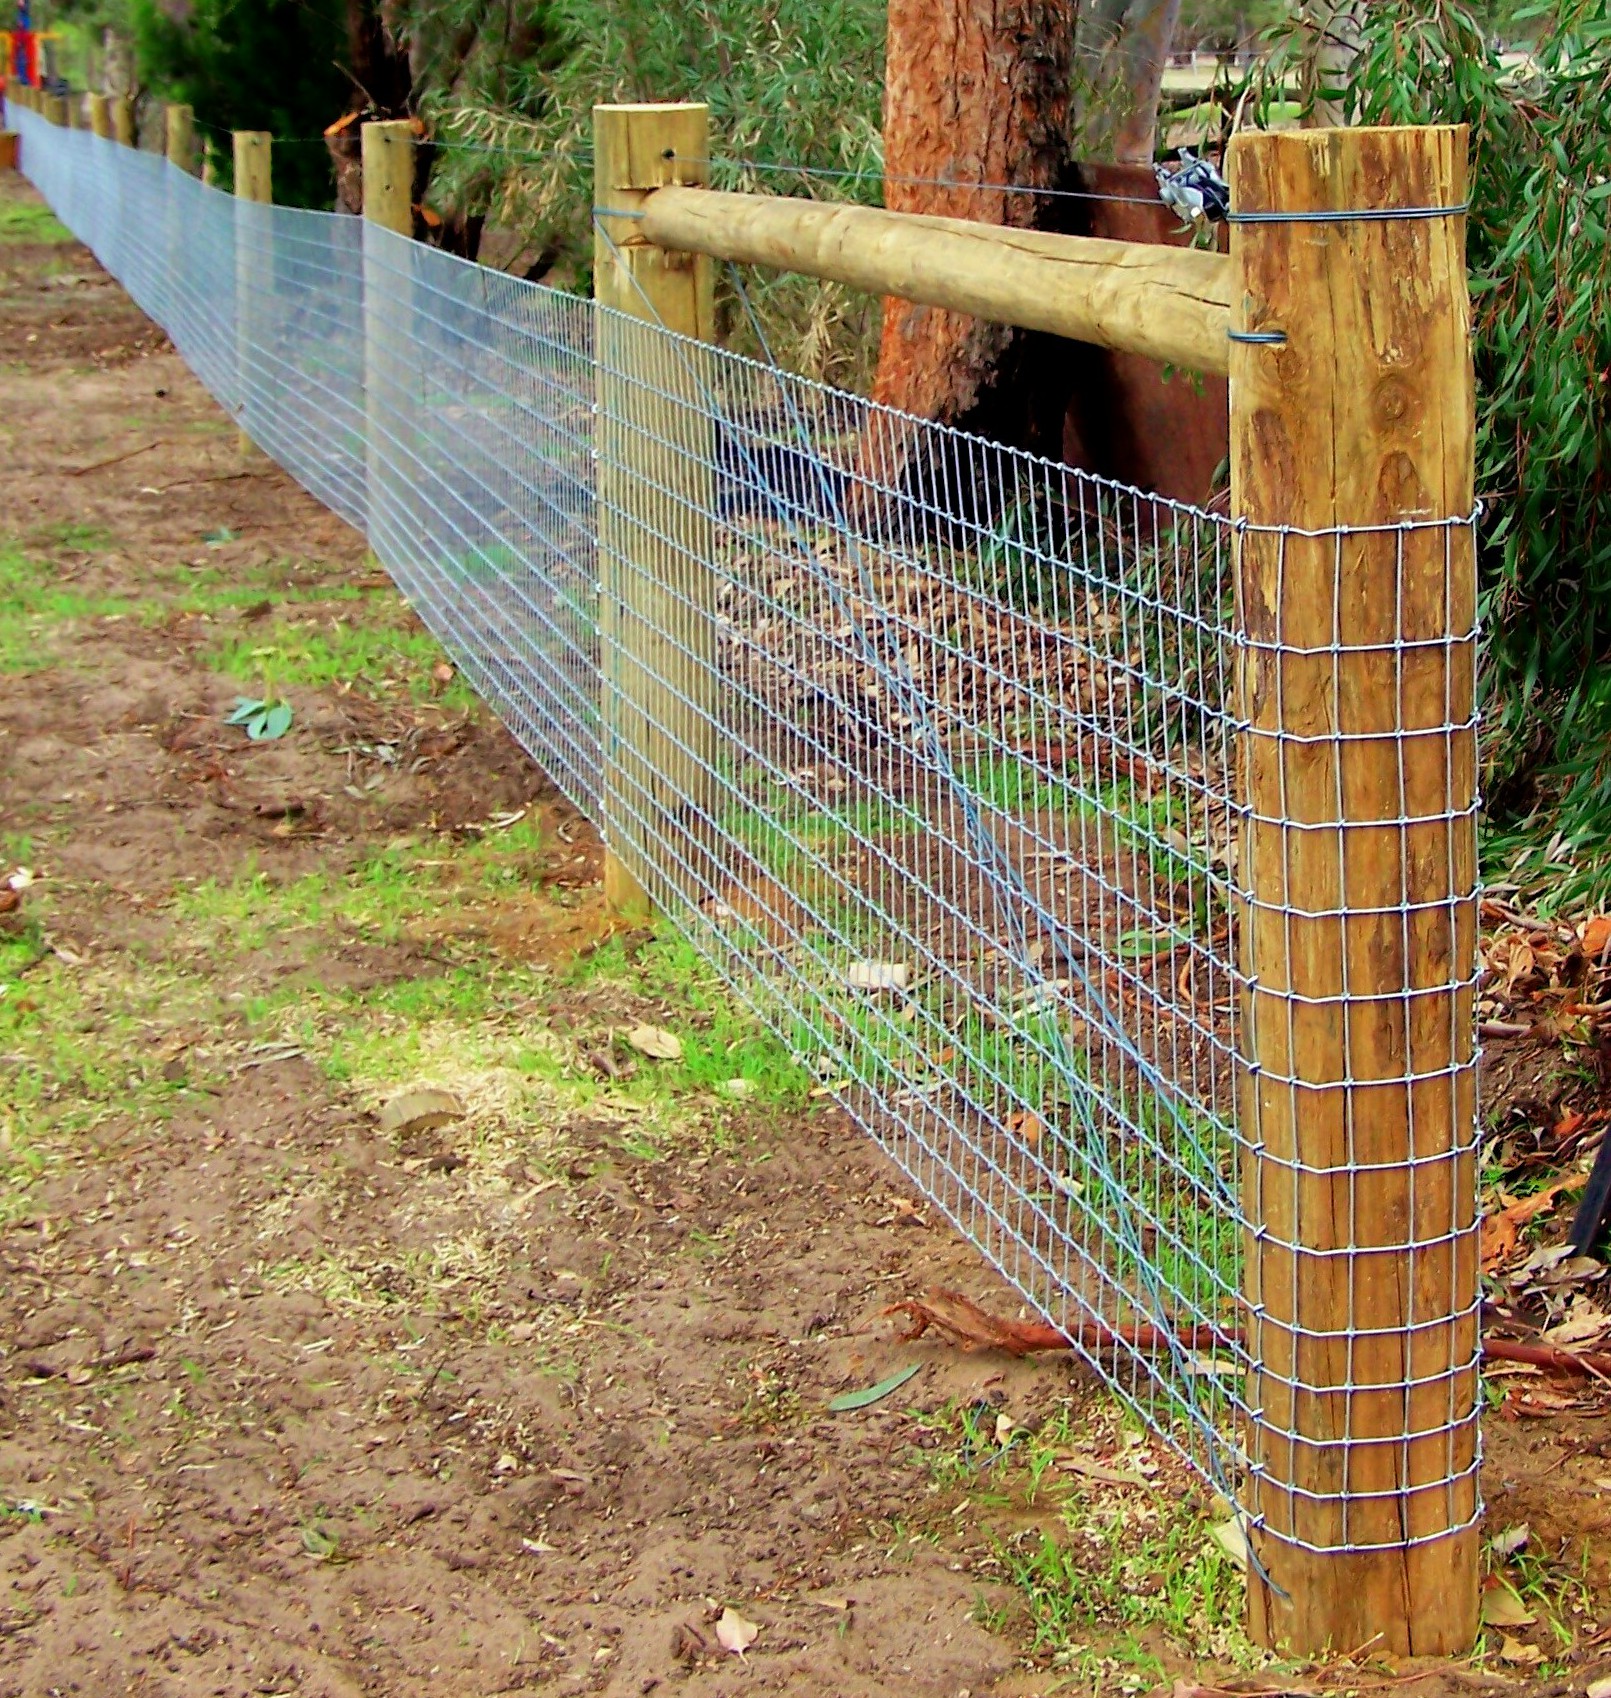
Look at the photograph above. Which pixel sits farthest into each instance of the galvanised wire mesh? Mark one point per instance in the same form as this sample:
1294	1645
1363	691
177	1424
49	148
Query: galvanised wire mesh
931	747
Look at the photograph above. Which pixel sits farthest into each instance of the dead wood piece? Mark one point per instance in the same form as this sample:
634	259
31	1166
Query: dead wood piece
961	1320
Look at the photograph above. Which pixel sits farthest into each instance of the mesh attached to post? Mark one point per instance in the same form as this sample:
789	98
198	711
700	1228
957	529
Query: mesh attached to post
933	749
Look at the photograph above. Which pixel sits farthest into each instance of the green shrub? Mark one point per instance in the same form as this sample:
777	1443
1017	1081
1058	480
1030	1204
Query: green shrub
1540	267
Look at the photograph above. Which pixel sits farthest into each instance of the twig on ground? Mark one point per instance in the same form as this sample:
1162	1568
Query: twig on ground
116	459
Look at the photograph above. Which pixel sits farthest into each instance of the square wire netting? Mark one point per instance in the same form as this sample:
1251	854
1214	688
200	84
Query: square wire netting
933	749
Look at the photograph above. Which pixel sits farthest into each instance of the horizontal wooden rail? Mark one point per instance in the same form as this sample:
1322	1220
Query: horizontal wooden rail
1170	304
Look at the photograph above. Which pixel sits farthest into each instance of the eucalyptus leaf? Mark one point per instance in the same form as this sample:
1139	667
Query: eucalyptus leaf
277	721
873	1394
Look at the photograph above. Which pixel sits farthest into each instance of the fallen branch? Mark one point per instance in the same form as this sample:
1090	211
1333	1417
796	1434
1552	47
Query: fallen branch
965	1323
1551	1356
962	1321
116	459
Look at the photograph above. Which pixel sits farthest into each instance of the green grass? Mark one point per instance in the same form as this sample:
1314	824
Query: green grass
24	221
1085	1576
333	654
38	612
425	890
77	1051
1105	1576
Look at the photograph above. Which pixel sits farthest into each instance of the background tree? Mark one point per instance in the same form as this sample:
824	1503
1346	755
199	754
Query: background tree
272	65
977	92
974	93
1122	50
1539	250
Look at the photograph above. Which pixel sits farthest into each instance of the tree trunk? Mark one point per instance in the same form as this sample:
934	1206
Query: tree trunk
979	91
976	92
1334	27
1123	48
391	55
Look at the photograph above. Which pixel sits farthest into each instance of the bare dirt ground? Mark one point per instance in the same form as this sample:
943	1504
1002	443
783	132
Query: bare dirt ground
533	1398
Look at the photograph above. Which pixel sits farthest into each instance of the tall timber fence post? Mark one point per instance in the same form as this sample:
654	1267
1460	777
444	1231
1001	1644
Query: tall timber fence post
656	455
100	115
54	110
180	137
254	187
388	188
123	127
1352	406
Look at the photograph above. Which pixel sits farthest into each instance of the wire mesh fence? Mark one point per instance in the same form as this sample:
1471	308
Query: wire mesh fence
933	748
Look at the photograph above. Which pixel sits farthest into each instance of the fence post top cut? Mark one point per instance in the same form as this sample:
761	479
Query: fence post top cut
388	173
636	150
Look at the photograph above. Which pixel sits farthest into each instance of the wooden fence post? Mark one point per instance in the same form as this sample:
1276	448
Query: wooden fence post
254	186
123	121
1358	860
100	115
181	138
388	185
656	449
54	110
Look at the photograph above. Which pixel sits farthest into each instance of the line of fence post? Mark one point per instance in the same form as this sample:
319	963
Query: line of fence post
179	136
123	130
100	116
388	189
254	187
655	450
53	109
1358	857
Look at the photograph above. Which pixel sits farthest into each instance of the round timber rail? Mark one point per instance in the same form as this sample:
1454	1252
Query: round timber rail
1170	304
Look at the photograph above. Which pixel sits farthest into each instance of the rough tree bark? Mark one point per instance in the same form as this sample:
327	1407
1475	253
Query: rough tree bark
395	49
981	91
976	91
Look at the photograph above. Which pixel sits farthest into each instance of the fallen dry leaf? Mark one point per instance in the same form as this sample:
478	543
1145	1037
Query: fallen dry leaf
1231	1537
734	1633
1091	1469
1600	1688
1501	1230
656	1042
1511	1540
878	975
1030	1127
1514	1651
1501	1607
1583	1324
420	1111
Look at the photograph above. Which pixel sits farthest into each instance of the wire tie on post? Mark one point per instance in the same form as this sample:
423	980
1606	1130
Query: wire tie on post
617	212
1273	338
1360	215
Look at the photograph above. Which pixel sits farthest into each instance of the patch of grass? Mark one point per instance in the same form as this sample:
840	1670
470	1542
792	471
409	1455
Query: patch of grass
331	654
721	1043
78	1051
24	221
1555	1589
1103	1572
76	535
1092	1575
37	611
